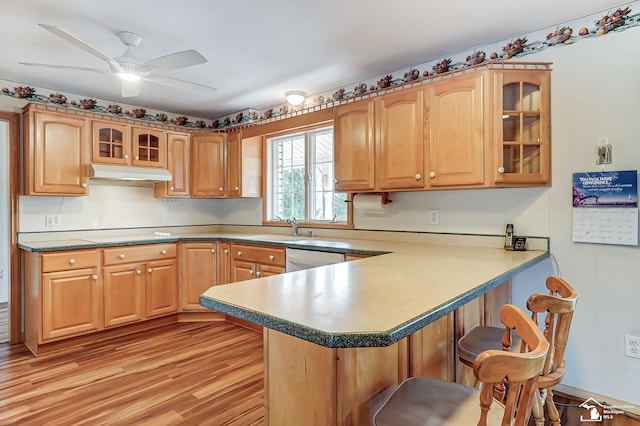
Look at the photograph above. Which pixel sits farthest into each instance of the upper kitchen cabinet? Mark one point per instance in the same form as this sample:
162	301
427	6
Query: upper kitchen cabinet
149	147
178	164
354	146
208	165
379	143
56	153
456	135
243	166
522	129
122	144
111	143
400	140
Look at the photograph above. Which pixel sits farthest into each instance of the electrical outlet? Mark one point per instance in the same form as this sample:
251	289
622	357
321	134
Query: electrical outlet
434	217
159	217
52	220
632	346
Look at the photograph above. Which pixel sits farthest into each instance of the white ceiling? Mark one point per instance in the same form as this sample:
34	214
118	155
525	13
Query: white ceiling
259	49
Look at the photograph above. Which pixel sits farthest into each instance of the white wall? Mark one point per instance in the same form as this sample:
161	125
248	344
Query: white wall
114	206
4	213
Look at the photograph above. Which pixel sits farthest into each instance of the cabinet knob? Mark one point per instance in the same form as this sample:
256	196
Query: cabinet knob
239	253
171	188
221	189
501	170
226	251
72	261
432	174
335	181
418	176
271	257
136	158
138	272
95	278
163	251
84	184
126	156
237	188
213	251
258	273
149	270
250	272
121	256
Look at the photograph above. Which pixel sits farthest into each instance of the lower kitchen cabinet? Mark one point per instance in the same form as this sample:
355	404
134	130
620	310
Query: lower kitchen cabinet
199	271
54	282
141	282
252	261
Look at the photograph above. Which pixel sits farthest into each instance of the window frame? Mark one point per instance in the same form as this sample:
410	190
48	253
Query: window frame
267	190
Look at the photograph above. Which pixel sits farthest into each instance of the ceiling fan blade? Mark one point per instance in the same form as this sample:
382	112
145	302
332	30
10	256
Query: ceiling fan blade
187	58
65	67
130	88
180	84
82	45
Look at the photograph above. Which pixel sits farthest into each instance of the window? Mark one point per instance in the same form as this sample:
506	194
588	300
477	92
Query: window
300	178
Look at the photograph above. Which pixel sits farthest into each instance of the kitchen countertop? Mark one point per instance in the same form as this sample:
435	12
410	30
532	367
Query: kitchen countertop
370	302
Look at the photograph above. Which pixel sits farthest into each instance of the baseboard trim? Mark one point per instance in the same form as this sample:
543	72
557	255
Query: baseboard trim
630	409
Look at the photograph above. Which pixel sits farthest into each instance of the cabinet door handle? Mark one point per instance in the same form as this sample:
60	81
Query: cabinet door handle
271	257
72	261
239	253
163	252
418	176
258	273
432	174
121	256
149	270
95	278
138	272
501	170
213	251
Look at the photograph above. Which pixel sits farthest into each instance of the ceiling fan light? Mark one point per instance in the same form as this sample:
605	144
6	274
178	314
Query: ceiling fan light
295	97
129	76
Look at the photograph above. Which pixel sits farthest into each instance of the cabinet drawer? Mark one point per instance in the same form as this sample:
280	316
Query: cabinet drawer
120	255
69	260
264	255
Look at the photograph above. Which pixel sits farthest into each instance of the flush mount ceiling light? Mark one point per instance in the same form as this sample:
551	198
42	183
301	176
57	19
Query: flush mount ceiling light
295	97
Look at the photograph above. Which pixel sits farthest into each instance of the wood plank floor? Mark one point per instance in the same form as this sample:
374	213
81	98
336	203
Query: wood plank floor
183	374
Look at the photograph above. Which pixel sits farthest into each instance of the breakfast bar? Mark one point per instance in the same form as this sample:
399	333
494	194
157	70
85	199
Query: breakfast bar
337	338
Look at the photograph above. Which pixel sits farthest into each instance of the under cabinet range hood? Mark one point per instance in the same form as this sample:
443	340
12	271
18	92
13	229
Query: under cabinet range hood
146	174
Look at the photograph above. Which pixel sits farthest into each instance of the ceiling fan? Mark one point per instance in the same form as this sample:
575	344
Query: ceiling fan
129	68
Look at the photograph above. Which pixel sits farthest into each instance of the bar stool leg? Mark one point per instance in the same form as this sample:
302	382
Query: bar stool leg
537	410
552	410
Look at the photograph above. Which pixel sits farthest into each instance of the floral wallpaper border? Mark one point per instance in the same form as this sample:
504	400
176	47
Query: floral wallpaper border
593	26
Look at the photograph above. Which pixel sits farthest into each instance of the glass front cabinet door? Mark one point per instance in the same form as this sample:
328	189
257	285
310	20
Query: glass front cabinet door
149	147
522	129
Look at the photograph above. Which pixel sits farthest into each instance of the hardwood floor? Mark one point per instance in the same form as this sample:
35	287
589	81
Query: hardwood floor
183	374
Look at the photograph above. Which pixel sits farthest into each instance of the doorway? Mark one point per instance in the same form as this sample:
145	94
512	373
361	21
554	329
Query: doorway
10	294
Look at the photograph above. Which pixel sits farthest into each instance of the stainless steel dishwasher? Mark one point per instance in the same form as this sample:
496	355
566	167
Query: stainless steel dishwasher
305	259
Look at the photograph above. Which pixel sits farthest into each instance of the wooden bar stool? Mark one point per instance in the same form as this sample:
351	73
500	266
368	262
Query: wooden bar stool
426	401
559	305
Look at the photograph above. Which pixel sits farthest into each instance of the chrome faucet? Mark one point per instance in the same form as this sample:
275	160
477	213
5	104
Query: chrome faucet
294	224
